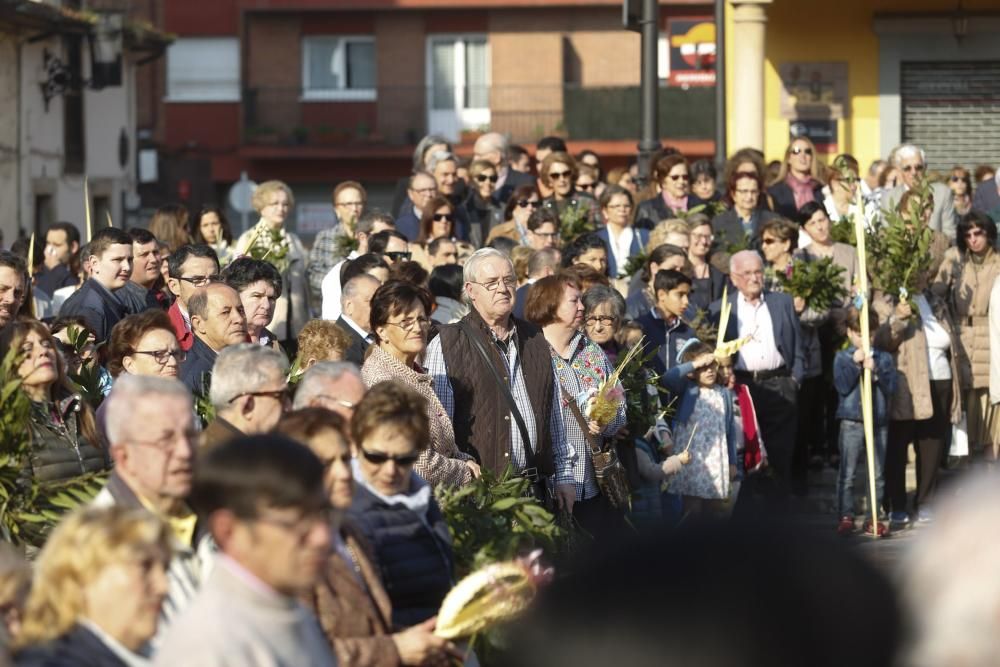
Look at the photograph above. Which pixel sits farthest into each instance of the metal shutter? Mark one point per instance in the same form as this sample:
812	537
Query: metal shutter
952	111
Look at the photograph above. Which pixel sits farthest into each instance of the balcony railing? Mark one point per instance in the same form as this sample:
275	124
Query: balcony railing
398	116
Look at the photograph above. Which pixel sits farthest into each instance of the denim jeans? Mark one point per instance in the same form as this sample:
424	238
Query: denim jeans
852	450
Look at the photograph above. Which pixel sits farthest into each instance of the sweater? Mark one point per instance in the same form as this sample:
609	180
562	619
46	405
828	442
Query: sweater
441	463
232	623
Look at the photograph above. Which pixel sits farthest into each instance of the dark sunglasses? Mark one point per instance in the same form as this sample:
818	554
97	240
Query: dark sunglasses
482	178
399	255
586	187
525	203
914	167
441	217
680	177
798	149
560	174
381	458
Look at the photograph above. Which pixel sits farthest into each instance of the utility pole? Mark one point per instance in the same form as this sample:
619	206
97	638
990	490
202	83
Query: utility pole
646	21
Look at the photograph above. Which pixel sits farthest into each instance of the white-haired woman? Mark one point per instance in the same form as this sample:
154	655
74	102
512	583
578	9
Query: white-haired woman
271	241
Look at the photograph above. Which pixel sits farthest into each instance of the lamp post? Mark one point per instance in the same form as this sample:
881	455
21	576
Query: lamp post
645	20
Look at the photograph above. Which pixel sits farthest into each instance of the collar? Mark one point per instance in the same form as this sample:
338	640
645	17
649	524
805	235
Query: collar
742	299
354	325
417	499
235	569
121	652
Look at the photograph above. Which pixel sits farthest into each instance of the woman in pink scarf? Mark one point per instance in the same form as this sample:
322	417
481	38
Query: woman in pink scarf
799	181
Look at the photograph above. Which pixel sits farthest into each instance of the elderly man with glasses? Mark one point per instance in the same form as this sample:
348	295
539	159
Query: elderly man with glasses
249	393
493	374
912	165
334	385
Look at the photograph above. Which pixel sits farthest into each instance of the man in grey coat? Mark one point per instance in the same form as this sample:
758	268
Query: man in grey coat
912	164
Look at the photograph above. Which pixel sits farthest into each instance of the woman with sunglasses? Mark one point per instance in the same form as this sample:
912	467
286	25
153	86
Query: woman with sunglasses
779	238
674	178
64	438
966	277
799	179
522	203
622	239
558	174
483	210
400	321
394	508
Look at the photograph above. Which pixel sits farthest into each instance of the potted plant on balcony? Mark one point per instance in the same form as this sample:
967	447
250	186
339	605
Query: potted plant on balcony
261	134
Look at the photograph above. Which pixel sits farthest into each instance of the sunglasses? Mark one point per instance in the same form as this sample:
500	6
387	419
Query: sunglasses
482	178
956	179
974	233
919	168
441	217
381	458
586	187
559	175
525	203
769	241
798	150
399	255
680	177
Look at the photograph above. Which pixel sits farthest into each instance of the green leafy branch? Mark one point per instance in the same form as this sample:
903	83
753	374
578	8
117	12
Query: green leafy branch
819	282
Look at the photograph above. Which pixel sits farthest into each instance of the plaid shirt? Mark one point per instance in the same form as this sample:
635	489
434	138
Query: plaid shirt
322	257
435	365
586	369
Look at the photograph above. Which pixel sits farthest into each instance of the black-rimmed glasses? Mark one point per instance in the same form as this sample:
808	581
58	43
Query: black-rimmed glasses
201	281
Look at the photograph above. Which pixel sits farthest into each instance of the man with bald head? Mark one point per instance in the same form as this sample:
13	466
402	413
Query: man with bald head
771	361
334	385
494	148
218	321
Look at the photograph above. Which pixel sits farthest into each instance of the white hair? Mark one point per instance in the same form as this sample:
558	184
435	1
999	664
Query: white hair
949	592
471	269
437	157
311	384
243	368
741	256
906	152
353	287
131	391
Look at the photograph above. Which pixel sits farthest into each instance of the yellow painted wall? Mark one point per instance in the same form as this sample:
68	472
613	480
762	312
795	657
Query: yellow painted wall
828	31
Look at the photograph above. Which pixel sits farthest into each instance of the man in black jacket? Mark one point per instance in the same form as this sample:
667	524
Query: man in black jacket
110	257
218	321
355	302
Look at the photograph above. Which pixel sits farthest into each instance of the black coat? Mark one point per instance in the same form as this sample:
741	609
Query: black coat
97	306
356	352
514	180
784	199
651	211
77	648
196	371
413	553
728	229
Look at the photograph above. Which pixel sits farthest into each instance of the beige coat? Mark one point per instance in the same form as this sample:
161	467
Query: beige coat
905	340
292	310
966	287
844	256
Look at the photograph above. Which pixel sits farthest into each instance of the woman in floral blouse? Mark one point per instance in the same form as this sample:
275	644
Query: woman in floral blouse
555	304
270	241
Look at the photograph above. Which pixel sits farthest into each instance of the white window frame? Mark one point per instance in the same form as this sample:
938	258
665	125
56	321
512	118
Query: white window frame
217	93
339	94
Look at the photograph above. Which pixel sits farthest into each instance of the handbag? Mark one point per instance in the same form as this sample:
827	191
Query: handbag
537	486
612	478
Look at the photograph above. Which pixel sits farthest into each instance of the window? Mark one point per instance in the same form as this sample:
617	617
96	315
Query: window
338	68
204	69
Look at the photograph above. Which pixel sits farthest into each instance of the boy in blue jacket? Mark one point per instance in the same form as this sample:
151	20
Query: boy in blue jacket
848	366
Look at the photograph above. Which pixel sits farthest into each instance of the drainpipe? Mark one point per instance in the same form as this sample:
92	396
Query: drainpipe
720	85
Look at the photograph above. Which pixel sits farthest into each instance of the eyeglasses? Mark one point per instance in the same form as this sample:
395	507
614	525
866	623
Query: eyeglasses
680	177
352	204
702	237
767	241
482	178
559	175
442	217
410	322
525	203
798	150
974	233
605	320
509	282
302	526
168	441
586	187
161	356
381	458
956	179
399	255
919	168
201	281
277	394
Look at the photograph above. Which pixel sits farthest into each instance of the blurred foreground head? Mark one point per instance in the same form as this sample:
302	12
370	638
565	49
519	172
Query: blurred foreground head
716	597
950	588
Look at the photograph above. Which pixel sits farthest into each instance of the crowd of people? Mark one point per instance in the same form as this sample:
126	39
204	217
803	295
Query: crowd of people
274	419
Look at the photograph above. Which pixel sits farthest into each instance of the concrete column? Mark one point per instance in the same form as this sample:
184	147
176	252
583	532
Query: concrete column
749	20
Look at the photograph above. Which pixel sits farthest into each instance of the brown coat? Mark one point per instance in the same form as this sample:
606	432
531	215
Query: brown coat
355	618
507	230
905	340
966	287
218	432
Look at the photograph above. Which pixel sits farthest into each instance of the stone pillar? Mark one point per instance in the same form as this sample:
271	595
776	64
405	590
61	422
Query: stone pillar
747	105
